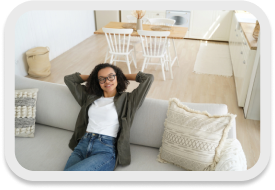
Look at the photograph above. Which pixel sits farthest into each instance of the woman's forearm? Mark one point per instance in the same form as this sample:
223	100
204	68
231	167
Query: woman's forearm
130	76
84	77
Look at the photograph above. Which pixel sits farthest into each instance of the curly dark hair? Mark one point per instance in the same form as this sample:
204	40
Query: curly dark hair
92	85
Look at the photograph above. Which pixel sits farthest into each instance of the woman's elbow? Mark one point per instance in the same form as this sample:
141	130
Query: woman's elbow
151	77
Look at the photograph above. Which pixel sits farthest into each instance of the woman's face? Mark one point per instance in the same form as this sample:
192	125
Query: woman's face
108	86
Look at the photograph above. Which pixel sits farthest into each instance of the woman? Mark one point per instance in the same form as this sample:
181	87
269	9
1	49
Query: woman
101	137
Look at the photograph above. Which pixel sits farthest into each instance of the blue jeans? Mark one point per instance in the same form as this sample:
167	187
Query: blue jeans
94	152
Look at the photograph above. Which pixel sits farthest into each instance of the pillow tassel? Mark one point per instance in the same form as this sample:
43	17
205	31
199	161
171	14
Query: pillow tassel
208	168
221	145
159	158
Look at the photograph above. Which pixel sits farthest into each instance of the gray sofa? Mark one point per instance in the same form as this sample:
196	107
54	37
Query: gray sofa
56	114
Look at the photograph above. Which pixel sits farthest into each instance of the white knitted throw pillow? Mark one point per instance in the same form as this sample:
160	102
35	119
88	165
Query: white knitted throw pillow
232	157
192	139
25	111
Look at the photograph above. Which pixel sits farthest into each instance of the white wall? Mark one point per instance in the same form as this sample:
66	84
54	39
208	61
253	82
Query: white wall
59	30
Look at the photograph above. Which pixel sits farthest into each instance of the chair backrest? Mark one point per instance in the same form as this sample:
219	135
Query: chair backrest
145	20
117	40
153	42
162	21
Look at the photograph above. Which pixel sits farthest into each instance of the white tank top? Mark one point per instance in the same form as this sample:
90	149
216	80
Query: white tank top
103	118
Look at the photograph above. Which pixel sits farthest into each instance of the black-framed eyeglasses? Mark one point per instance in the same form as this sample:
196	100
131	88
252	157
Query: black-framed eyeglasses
102	80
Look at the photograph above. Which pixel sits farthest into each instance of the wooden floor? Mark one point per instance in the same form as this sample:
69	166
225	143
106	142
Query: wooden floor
186	85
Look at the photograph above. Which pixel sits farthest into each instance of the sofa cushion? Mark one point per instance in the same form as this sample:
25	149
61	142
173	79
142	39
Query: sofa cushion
148	124
193	139
25	112
143	158
49	151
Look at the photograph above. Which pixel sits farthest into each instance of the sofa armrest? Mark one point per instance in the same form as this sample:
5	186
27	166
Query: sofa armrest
232	157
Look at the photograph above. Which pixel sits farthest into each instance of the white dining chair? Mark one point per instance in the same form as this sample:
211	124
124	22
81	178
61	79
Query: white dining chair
162	21
165	22
135	39
154	45
119	45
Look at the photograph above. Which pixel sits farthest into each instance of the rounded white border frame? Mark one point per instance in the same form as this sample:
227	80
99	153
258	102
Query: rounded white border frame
265	82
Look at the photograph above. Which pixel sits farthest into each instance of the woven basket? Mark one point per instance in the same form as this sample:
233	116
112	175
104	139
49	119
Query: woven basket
39	62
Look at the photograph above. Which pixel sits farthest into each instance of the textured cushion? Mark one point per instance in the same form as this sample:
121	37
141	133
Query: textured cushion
148	125
193	139
25	112
232	157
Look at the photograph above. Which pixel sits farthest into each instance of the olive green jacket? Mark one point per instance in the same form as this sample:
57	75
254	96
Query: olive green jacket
126	103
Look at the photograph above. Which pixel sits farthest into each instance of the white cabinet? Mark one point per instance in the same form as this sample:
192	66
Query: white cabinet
104	17
235	44
252	102
210	25
148	14
242	58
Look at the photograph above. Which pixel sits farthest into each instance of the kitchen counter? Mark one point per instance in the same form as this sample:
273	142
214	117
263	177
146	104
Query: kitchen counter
245	17
248	29
247	22
241	11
